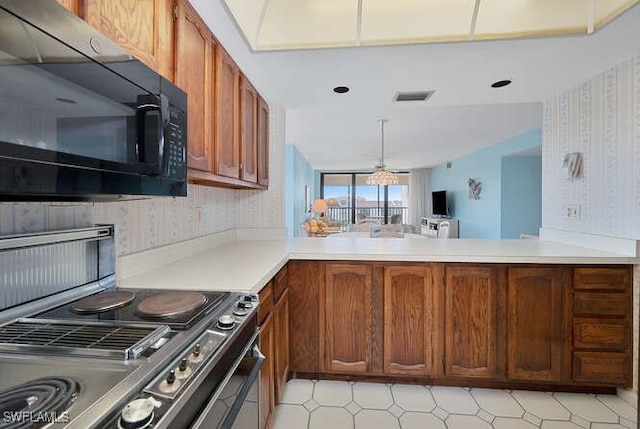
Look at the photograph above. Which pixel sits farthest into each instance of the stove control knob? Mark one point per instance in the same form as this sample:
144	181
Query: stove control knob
171	378
137	414
244	305
250	298
183	370
226	321
195	356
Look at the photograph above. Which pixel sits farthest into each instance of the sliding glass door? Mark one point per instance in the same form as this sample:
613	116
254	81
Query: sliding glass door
351	200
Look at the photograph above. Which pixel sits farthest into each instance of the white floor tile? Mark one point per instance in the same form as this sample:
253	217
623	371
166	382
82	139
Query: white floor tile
376	419
330	418
411	420
297	391
619	406
587	407
511	423
291	417
466	422
484	415
554	424
334	393
541	404
606	426
497	402
372	395
454	400
413	397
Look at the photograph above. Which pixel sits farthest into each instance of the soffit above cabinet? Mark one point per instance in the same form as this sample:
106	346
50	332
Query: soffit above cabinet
300	24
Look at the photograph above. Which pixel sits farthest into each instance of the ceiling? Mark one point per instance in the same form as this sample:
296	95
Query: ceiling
341	131
301	24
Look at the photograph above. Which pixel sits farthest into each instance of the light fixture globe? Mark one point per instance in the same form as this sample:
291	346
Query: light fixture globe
382	176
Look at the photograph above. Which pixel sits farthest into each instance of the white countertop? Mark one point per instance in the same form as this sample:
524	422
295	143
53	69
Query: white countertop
247	266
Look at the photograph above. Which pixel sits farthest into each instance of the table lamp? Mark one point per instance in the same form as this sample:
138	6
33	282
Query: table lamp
320	206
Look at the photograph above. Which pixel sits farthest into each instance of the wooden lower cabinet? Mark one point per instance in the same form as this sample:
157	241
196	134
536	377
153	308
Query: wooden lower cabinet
408	320
471	299
535	334
514	326
345	318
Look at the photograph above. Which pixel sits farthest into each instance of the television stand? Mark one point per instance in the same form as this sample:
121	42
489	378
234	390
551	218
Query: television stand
429	226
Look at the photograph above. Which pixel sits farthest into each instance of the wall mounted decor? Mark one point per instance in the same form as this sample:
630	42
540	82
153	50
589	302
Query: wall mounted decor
307	199
572	165
475	187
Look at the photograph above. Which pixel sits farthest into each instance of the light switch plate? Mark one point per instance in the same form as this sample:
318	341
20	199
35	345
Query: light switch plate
572	211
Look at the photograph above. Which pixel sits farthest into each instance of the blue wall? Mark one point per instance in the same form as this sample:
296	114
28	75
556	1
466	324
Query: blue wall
480	218
298	173
521	195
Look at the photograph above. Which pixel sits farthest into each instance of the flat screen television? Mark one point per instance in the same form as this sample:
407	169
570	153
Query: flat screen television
439	203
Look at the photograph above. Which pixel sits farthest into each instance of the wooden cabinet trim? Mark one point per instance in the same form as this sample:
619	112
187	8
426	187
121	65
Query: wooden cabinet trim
281	363
266	301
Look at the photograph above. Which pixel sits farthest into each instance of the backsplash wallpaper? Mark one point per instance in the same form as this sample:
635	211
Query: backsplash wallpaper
600	119
153	222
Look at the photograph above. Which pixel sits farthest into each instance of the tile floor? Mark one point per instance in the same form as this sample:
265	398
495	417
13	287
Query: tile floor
311	404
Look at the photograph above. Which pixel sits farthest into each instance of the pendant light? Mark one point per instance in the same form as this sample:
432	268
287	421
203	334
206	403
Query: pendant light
382	176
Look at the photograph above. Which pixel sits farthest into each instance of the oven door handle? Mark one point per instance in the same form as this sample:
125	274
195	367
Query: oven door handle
244	391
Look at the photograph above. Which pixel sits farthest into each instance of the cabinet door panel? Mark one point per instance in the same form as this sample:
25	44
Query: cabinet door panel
534	328
281	322
408	315
249	142
600	334
195	75
143	27
227	156
263	142
601	304
612	369
345	315
471	321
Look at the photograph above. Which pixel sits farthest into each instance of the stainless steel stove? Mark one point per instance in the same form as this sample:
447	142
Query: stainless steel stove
78	352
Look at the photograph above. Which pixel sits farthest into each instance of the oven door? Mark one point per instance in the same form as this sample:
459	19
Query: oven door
234	405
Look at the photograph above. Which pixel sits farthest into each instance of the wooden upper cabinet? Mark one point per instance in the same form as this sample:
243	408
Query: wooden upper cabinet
227	154
408	320
534	323
471	321
195	74
263	142
345	318
249	131
143	27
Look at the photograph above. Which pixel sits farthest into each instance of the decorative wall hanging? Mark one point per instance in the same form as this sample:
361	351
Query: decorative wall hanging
572	165
475	188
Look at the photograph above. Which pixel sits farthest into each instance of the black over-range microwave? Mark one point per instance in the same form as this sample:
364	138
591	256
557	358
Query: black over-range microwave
81	119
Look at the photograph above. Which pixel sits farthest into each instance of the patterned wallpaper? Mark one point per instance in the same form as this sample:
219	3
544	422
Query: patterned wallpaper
599	118
148	223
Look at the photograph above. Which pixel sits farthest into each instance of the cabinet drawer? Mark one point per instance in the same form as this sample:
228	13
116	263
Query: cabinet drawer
600	334
607	368
280	282
604	304
266	302
614	279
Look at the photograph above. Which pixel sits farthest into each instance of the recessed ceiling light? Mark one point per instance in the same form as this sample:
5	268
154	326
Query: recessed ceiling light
341	89
500	83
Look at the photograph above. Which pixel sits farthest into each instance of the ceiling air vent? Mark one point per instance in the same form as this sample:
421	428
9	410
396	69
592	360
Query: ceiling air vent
413	96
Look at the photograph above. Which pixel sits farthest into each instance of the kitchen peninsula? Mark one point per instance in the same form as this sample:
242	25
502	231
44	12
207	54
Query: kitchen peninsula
525	314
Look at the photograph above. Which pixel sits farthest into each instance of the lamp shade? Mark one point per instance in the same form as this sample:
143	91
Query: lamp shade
319	206
382	177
